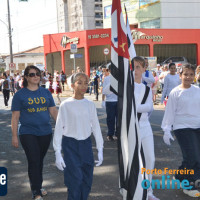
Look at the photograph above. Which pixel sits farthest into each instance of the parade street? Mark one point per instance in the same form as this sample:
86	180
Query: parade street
106	177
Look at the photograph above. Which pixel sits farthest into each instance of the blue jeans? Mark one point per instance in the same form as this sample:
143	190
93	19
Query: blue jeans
111	111
189	141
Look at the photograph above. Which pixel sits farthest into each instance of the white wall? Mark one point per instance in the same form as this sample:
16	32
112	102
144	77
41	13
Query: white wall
25	59
180	14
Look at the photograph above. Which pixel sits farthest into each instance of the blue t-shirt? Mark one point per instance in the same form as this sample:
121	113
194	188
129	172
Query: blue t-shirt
34	113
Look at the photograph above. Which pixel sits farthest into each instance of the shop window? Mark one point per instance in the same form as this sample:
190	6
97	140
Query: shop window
155	23
142	50
178	51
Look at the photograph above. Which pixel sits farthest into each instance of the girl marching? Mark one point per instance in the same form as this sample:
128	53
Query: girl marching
183	118
77	116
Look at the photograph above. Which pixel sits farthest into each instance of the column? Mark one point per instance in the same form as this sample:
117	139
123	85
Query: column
45	61
87	61
151	53
198	54
63	60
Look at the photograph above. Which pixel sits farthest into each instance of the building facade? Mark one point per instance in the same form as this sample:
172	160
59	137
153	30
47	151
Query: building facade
77	15
34	56
159	43
164	14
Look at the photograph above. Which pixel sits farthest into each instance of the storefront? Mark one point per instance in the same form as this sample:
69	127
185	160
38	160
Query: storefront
91	45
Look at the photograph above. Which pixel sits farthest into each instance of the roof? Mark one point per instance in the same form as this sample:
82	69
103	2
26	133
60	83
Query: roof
39	49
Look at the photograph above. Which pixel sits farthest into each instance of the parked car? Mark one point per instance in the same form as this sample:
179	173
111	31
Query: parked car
178	60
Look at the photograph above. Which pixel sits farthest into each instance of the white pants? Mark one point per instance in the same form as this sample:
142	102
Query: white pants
148	148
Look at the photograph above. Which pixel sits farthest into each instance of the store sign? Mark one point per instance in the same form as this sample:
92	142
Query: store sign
138	35
66	40
96	36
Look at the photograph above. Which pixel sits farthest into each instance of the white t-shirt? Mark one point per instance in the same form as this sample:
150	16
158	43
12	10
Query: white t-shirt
77	119
183	109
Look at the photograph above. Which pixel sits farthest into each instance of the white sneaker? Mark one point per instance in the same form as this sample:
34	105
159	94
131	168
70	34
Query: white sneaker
192	193
152	197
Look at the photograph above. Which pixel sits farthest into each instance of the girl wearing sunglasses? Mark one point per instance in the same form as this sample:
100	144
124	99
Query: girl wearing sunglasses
32	107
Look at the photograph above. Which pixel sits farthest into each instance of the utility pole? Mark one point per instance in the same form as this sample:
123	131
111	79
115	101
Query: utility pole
10	33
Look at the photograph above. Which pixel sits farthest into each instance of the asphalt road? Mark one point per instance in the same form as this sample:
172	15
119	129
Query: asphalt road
105	182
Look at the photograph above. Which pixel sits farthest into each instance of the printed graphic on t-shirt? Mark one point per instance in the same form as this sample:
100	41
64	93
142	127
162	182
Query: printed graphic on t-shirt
35	102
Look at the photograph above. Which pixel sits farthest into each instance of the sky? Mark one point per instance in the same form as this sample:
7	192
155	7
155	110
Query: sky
29	21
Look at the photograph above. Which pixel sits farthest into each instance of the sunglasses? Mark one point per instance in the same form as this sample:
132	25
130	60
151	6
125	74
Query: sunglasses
34	74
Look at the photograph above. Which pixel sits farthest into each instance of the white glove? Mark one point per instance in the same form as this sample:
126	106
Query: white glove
103	104
100	157
60	164
167	136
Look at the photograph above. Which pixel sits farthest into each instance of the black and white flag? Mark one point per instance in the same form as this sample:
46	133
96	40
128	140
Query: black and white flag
130	155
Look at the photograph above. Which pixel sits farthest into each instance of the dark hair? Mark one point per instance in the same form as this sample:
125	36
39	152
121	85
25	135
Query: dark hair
74	77
140	59
26	72
171	64
187	66
4	74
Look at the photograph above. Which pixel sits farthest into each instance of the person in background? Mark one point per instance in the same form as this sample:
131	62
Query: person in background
63	79
96	84
43	80
18	77
78	69
32	107
163	74
58	76
197	76
1	82
147	77
58	90
21	80
12	85
109	101
5	83
158	71
154	87
77	118
183	119
51	84
171	81
91	83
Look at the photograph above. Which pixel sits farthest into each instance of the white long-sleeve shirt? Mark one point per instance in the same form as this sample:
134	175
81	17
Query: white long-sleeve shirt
170	82
77	119
183	109
149	80
143	108
110	96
